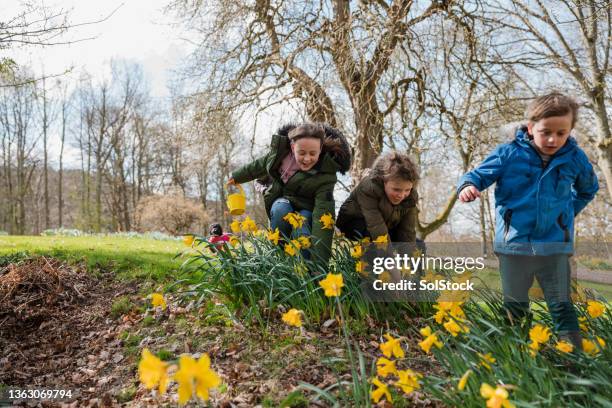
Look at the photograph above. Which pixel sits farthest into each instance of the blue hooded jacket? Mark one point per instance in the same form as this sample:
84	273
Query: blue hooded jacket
535	205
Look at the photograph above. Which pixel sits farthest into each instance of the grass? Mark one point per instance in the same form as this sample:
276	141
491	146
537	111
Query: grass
128	258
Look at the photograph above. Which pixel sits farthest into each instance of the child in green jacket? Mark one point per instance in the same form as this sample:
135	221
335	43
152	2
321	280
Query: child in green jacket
302	164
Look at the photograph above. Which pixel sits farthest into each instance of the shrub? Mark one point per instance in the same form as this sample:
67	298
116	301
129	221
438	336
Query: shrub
173	214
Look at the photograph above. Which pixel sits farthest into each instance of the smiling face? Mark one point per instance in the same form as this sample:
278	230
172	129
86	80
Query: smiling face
306	151
550	134
397	190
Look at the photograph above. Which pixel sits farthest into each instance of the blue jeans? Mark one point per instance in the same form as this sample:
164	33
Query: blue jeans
282	207
553	275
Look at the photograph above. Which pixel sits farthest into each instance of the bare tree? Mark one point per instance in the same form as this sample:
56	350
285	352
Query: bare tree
572	37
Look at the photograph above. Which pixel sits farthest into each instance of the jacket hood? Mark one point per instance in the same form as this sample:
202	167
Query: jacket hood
342	158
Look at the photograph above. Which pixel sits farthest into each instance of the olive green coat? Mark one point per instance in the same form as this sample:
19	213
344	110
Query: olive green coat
311	190
368	201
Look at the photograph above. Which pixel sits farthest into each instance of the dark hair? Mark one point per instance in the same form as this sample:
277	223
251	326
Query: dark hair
395	165
552	104
215	229
316	131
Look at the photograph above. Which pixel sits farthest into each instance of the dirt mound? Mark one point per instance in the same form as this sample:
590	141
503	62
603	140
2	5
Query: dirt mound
56	331
31	291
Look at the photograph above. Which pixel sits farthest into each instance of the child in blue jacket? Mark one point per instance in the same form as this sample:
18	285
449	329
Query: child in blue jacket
543	181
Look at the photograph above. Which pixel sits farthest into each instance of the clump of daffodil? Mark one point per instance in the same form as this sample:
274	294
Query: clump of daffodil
582	323
332	284
293	317
463	380
595	308
327	220
195	375
486	360
496	397
235	227
153	372
295	219
273	236
538	335
564	347
188	240
430	339
408	381
248	225
380	391
385	367
392	347
157	300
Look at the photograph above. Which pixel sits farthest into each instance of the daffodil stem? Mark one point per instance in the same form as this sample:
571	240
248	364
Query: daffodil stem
356	387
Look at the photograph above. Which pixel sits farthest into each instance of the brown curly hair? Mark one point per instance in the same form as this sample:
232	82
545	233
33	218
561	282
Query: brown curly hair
552	104
395	165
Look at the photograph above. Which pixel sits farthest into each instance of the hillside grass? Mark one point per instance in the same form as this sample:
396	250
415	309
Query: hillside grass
128	258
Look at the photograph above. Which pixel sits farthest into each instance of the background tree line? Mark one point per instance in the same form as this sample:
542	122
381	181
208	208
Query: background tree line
440	79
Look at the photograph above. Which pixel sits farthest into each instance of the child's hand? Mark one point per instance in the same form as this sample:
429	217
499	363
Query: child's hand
469	193
231	182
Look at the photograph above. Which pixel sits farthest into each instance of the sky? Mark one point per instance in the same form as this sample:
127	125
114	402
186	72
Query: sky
136	30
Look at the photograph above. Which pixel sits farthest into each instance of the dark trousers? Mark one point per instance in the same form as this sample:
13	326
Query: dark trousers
553	275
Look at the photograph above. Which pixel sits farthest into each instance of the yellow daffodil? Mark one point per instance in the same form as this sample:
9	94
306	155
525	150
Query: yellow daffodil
601	342
365	241
234	241
153	372
595	309
295	219
539	333
534	346
301	269
357	251
392	347
304	242
431	339
195	374
582	323
408	381
463	380
381	240
290	249
496	397
456	326
332	284
385	367
188	240
564	347
235	226
248	225
360	268
385	277
293	318
486	360
273	236
327	220
157	300
590	347
380	391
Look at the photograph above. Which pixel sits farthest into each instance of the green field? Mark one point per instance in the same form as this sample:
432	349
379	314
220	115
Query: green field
129	258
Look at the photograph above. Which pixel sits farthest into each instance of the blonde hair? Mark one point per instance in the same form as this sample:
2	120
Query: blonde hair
552	104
